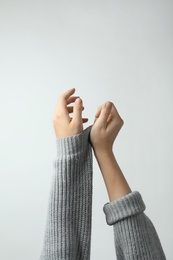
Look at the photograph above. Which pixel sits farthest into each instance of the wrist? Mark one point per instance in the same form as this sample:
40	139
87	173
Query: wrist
114	179
103	152
73	145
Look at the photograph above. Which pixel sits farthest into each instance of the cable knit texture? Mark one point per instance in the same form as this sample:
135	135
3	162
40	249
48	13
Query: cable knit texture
68	228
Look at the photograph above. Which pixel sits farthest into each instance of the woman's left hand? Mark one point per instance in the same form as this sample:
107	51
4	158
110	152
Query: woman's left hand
63	124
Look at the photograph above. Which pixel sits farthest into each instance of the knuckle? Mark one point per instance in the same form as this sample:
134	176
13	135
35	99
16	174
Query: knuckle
122	121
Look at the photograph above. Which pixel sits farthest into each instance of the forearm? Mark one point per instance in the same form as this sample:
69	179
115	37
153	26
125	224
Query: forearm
68	229
114	179
134	234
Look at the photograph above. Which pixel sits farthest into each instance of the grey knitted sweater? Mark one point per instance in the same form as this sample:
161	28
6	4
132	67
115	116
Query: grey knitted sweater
68	228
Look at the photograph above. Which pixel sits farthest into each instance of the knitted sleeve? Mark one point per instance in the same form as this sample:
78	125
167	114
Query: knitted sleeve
68	227
135	236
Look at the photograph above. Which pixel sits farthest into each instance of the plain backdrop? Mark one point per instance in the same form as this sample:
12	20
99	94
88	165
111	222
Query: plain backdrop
120	51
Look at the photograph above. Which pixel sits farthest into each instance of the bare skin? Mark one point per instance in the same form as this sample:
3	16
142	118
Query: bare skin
103	133
63	124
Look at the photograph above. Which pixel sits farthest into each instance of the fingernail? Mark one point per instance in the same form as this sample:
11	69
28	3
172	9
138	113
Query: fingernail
78	100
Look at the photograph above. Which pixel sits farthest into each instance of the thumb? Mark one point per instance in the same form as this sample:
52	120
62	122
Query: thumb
77	110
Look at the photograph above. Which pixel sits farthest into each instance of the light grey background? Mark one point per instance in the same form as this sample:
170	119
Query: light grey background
108	50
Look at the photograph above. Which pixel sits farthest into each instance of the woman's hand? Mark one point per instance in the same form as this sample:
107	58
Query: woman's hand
63	124
103	133
106	127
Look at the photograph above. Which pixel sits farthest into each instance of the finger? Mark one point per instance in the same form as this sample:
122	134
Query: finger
114	118
68	93
114	112
70	109
61	108
104	114
109	120
84	120
98	111
72	99
77	111
62	100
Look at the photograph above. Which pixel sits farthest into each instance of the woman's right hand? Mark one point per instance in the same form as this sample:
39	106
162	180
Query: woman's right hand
106	127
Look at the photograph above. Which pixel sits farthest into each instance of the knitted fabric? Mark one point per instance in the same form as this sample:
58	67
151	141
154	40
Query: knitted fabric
135	237
68	227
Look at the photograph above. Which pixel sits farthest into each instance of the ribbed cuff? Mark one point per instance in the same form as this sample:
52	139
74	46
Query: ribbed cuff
73	145
124	207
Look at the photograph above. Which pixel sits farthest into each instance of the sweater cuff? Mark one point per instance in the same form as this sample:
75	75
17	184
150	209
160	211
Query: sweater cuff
124	207
73	145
